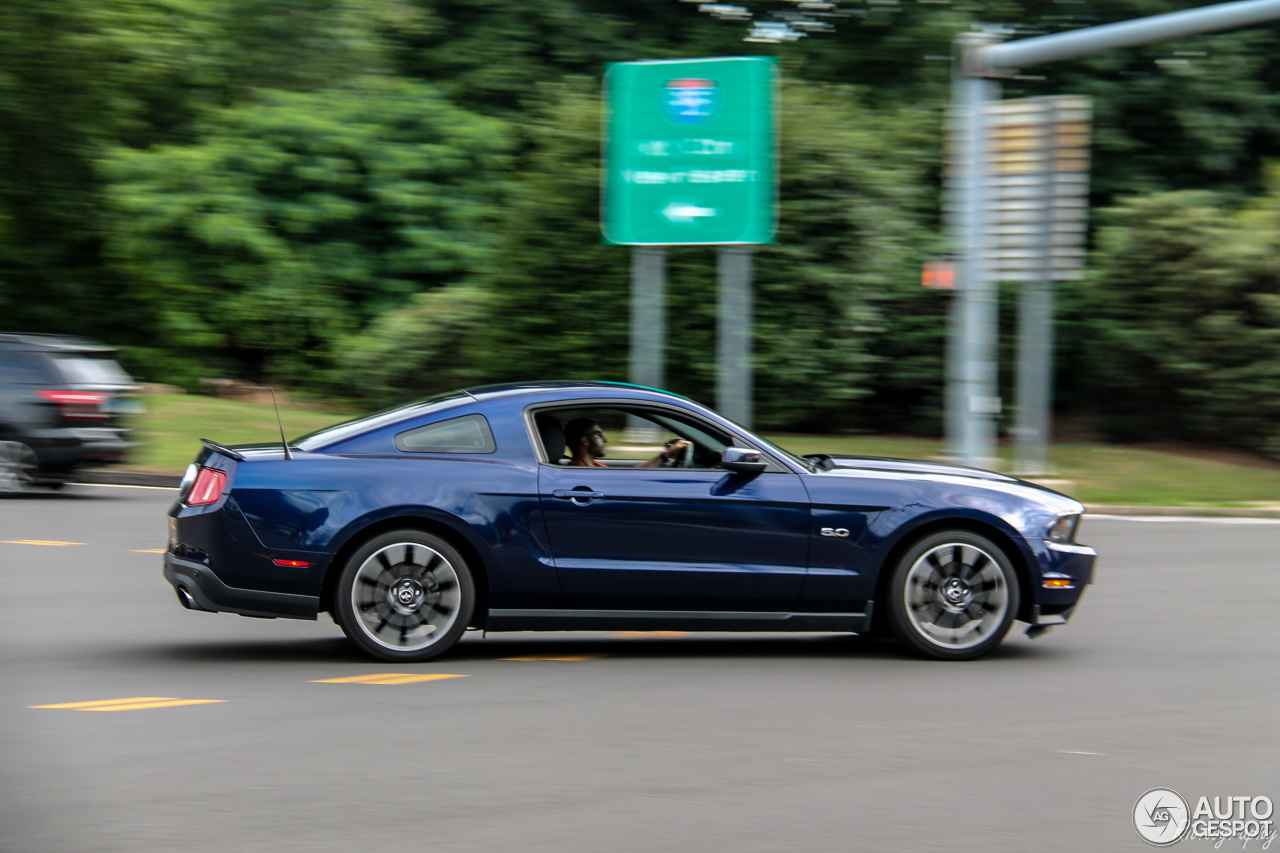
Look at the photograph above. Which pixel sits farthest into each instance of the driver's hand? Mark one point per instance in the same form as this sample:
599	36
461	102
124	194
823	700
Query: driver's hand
675	447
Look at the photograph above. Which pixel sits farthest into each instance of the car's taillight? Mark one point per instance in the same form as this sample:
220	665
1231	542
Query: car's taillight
77	405
207	488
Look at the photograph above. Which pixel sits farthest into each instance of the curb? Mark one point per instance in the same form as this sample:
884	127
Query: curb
1204	511
107	477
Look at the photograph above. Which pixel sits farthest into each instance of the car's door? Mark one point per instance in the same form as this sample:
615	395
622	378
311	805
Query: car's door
674	539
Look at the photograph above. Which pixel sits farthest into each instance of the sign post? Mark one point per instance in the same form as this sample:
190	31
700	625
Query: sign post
689	161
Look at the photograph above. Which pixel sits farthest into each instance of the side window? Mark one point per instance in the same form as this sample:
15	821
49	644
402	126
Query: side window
467	434
23	367
622	436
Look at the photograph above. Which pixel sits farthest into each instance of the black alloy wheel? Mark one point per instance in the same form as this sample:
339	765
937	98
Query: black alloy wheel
953	596
405	596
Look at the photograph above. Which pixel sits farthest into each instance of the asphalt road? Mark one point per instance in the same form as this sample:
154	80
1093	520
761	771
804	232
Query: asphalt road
1168	676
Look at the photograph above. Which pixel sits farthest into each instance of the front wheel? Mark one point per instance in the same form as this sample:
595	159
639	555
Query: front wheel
953	596
405	596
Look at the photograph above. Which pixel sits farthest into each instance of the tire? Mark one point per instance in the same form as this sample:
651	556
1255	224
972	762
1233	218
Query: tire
405	596
953	596
19	466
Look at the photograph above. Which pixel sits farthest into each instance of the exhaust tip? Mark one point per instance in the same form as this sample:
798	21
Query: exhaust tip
185	599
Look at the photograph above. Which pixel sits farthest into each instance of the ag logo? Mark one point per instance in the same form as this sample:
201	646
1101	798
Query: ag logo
835	531
690	100
1161	817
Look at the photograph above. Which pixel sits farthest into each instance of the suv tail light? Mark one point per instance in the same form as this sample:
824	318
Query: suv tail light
207	488
78	405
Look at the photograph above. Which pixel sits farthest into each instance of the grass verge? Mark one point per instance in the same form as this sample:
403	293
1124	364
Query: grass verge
172	425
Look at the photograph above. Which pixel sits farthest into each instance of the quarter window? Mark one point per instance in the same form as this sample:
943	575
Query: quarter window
467	434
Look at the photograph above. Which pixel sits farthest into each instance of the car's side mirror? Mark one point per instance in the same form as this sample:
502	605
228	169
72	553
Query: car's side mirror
743	460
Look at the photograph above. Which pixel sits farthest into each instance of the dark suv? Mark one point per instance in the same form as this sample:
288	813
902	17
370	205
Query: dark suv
61	399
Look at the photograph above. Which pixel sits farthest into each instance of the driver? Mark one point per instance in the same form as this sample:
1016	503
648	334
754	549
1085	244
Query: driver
587	443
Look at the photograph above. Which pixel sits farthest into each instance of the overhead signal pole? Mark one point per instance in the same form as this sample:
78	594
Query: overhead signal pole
981	59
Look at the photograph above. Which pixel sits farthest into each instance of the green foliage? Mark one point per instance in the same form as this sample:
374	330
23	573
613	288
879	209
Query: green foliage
80	77
425	347
1183	328
492	55
298	219
306	191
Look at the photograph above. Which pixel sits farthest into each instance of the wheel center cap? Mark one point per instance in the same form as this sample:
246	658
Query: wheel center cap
956	593
406	594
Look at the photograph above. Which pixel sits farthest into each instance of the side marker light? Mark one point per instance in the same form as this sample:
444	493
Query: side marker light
292	564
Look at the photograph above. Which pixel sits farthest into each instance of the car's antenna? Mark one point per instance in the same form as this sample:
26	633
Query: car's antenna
280	423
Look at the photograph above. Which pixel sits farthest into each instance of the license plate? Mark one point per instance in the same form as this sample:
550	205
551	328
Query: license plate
122	407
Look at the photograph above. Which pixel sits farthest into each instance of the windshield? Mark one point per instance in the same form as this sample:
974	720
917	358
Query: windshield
806	464
341	432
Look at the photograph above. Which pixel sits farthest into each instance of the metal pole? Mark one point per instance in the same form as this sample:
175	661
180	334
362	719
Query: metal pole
733	341
975	393
970	395
1206	19
648	327
1035	321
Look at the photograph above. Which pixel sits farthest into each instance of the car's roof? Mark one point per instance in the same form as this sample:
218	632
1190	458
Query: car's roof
52	343
561	385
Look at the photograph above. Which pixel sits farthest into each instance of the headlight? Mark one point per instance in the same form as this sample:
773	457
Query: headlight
1064	529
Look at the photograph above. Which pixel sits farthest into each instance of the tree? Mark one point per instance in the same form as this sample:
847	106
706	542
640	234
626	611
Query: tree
79	78
294	221
1178	323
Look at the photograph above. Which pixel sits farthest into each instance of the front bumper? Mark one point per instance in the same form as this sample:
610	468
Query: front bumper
1061	561
199	588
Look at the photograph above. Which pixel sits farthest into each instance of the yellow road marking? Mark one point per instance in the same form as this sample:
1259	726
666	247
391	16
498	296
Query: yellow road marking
133	703
648	635
554	657
149	550
388	678
172	703
39	542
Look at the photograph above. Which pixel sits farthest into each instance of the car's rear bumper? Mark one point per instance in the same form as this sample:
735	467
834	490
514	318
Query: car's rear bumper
199	588
65	449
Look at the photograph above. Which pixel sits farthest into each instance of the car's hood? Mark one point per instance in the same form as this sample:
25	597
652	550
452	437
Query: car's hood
853	466
915	466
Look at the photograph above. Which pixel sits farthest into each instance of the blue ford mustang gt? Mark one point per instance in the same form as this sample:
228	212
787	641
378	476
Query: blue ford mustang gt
472	509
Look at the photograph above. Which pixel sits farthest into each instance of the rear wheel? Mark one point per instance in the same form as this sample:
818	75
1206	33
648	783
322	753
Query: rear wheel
953	596
405	596
18	467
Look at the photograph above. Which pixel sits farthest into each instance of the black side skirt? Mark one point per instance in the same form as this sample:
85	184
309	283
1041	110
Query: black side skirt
675	620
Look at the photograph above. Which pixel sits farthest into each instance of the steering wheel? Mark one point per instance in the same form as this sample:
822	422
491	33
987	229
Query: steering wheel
685	459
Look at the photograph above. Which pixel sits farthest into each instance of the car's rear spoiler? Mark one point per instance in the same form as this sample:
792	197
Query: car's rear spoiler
224	450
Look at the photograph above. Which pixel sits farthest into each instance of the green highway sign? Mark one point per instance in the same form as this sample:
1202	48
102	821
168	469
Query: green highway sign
689	152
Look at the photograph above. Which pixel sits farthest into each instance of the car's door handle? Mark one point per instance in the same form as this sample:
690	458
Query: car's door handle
578	496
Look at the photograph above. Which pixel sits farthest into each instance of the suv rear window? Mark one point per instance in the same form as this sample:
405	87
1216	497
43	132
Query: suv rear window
87	370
